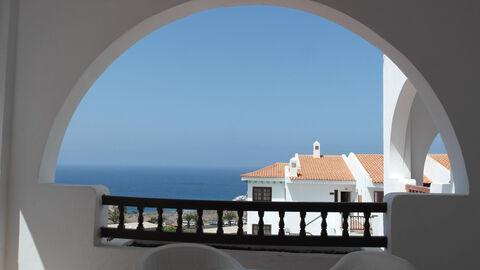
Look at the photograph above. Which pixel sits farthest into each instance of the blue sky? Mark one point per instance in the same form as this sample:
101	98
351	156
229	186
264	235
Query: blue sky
232	87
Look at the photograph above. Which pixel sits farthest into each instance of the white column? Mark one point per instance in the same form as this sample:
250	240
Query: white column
422	134
398	96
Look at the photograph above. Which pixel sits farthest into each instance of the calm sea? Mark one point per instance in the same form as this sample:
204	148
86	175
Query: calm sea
159	182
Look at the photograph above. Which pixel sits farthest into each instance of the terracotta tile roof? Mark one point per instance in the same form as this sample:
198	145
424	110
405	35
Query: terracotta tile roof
442	159
324	168
373	164
276	170
334	168
417	189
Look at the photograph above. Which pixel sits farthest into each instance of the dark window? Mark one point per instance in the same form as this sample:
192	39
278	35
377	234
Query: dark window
317	147
267	229
345	196
262	194
378	196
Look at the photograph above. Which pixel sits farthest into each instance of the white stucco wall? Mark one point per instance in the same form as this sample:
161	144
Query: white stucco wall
277	185
312	191
363	180
278	194
60	47
440	176
315	191
300	191
436	171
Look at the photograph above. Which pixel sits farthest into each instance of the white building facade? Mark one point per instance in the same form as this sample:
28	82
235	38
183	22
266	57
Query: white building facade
332	178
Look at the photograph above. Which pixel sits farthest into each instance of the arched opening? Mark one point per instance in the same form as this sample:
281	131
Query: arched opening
47	169
409	161
283	110
409	131
229	106
437	146
437	168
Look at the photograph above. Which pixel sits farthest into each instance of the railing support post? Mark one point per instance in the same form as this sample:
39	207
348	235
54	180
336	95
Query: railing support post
140	218
179	220
220	222
199	221
260	223
281	224
240	222
121	218
345	224
366	226
324	224
302	223
160	219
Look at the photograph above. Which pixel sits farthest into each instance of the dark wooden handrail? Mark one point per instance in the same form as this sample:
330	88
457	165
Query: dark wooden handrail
245	205
302	239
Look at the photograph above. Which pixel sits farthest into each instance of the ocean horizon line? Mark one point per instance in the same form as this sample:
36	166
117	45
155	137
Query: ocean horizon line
147	166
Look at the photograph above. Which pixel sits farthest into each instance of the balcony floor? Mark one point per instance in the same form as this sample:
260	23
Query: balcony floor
272	260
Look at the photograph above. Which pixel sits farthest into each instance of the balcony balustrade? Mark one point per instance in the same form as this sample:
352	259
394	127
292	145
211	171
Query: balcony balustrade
240	207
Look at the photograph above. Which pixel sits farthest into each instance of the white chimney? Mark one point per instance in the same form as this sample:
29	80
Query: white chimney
294	165
316	149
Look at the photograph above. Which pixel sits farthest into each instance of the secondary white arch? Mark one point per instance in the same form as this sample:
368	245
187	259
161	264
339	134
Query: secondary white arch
408	133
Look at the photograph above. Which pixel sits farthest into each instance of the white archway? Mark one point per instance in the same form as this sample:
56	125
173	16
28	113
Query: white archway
63	48
408	132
